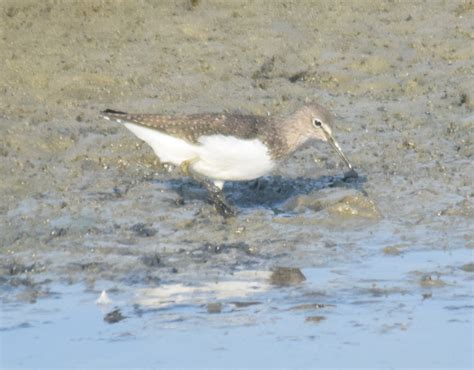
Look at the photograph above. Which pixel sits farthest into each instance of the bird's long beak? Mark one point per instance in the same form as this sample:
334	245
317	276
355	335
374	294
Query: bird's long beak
337	148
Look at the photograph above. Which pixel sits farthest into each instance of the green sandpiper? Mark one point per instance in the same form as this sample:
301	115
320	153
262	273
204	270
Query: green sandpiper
216	147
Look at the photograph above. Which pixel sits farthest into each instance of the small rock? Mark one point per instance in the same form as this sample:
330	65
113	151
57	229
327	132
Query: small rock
298	76
409	144
114	316
58	231
392	250
285	276
310	306
427	282
151	260
226	247
427	296
214	307
468	267
355	206
143	230
265	69
315	319
194	3
463	99
238	304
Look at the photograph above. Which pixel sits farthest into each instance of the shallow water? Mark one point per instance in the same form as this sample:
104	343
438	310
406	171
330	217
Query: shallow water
338	317
85	207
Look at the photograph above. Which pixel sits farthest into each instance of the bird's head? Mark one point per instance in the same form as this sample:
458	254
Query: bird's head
314	122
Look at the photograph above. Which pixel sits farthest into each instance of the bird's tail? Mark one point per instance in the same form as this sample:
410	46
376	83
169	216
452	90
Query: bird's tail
113	115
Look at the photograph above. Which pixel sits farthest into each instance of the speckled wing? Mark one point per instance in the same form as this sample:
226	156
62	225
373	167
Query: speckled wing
194	126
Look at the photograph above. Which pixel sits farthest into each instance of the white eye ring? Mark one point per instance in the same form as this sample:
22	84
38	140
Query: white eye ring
317	123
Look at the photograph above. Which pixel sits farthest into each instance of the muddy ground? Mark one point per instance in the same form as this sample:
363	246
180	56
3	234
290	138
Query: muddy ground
84	201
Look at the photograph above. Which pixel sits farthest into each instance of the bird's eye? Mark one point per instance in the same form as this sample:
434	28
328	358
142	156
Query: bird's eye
317	123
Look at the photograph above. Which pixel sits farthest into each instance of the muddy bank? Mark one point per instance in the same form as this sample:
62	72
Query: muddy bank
75	187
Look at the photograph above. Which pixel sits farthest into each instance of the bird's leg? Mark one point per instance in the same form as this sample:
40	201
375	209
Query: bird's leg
218	199
186	166
216	194
257	185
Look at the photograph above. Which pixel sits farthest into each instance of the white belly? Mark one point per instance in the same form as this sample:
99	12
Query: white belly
217	157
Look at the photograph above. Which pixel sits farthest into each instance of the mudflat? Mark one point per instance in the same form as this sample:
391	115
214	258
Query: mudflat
368	268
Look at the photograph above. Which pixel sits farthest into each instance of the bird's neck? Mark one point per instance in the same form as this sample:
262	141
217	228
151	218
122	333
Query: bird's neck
290	128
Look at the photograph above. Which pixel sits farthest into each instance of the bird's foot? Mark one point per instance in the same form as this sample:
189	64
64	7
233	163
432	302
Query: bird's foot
224	209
